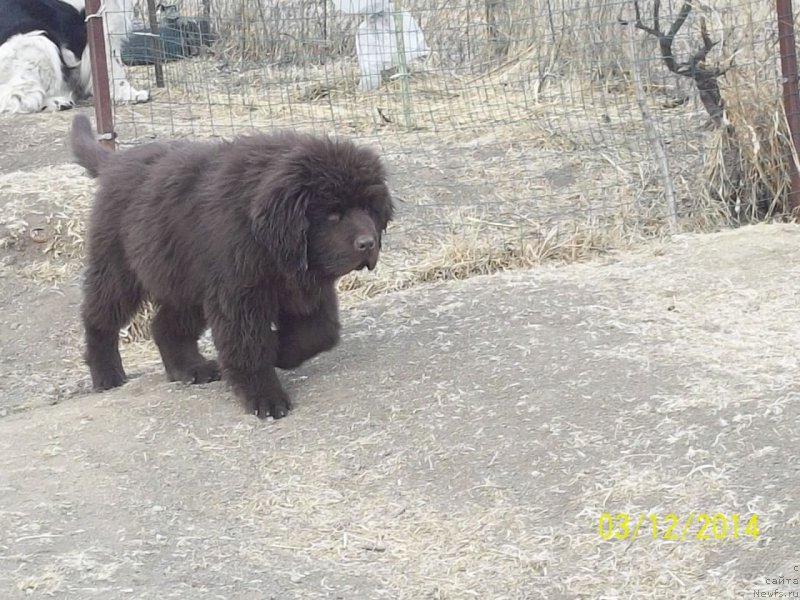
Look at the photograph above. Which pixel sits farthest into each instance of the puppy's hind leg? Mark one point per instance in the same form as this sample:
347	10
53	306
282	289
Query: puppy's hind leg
176	331
111	297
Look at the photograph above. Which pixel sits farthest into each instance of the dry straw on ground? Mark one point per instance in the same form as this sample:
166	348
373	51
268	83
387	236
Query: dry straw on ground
529	126
563	70
570	37
536	154
471	253
748	162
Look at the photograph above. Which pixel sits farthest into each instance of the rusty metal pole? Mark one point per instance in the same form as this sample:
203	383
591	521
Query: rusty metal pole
791	97
155	40
100	83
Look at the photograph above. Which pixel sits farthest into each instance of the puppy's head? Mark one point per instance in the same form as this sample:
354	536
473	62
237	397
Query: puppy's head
324	208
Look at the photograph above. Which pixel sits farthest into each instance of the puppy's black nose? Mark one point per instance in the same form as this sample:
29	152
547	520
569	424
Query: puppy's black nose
365	243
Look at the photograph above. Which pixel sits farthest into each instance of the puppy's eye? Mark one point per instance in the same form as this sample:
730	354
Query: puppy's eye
334	217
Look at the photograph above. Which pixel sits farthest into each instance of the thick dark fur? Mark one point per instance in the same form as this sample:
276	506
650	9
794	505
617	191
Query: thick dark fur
248	237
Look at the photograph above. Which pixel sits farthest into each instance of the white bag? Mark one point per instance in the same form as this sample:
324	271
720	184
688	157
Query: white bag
361	7
376	44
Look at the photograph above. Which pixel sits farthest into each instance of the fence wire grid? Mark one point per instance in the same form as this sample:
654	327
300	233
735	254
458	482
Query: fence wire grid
502	121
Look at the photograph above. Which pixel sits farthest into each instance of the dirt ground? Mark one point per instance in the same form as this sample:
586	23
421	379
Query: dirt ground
462	442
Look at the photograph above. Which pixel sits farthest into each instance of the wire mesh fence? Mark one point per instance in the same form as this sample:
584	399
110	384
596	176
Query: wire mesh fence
507	124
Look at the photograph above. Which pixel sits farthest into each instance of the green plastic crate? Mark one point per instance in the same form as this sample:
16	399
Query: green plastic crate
178	38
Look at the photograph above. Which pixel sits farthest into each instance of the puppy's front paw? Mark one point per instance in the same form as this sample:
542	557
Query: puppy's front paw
206	372
289	358
107	378
203	372
277	405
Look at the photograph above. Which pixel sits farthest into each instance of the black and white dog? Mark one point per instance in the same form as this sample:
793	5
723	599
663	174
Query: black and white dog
44	55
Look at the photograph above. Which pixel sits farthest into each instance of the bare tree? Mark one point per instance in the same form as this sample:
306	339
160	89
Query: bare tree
706	79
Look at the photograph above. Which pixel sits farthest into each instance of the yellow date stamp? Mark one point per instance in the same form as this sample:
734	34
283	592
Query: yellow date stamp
671	527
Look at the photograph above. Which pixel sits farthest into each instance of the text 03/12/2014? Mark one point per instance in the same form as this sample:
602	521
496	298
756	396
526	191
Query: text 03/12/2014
670	527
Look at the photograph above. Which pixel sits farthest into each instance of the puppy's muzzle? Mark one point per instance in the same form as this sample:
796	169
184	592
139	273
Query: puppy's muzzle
367	246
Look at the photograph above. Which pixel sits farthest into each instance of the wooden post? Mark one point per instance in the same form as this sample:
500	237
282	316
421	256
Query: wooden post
156	42
100	84
791	97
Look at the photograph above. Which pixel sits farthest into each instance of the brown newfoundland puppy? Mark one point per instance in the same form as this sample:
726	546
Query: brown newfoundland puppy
247	237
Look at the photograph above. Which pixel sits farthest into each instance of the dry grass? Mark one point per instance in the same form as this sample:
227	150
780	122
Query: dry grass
476	247
479	472
569	38
476	252
45	217
538	156
744	295
560	87
748	163
329	491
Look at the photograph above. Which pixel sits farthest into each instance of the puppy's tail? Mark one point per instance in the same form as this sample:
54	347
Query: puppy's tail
87	151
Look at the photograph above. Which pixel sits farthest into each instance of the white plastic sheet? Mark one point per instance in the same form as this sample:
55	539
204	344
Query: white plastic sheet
361	7
376	44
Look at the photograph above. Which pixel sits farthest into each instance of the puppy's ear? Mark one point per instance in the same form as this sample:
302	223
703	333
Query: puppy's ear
278	221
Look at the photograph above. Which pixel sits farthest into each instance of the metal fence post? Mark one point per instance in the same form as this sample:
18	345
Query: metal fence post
100	84
791	97
155	40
